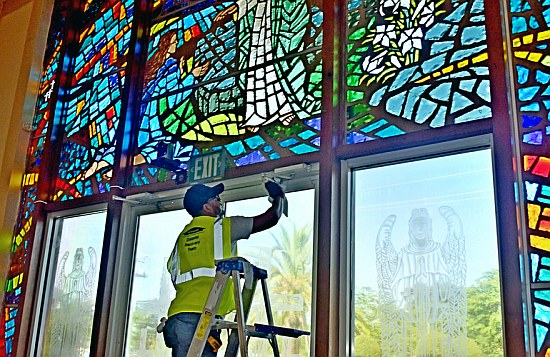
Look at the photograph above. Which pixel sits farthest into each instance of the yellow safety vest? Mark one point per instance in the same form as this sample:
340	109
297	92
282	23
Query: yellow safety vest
191	264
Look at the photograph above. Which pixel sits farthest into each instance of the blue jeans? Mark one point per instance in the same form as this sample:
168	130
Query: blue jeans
179	331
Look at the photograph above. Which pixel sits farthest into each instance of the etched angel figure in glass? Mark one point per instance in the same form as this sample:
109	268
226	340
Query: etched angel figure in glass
422	293
73	305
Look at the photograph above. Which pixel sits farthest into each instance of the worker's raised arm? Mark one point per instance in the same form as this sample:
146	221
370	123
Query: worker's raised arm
270	217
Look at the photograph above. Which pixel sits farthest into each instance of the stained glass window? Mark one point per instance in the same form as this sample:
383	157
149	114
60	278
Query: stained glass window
94	101
530	35
240	76
414	65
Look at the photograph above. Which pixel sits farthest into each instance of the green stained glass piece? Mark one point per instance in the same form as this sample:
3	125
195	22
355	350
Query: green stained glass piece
316	77
293	129
179	110
359	122
355	58
358	34
273	134
191	120
357	109
174	128
162	105
279	128
353	80
171	118
355	95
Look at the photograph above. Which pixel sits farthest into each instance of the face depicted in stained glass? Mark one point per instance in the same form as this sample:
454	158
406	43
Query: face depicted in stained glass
415	65
239	75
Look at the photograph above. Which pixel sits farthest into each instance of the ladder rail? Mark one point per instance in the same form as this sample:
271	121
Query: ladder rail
233	341
240	313
270	317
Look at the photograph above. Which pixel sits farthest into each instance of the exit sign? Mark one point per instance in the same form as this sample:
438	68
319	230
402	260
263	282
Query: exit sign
206	167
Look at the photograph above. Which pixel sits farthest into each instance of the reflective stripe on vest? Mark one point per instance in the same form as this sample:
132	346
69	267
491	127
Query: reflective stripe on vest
178	277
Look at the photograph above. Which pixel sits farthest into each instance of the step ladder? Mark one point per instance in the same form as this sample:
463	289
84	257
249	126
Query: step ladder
238	268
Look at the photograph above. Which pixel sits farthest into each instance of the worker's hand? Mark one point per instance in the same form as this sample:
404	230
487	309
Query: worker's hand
274	189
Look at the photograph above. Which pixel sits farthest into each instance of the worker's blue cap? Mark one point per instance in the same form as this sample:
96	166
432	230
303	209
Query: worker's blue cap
198	195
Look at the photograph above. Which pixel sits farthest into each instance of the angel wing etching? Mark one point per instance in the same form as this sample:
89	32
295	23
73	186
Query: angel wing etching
422	294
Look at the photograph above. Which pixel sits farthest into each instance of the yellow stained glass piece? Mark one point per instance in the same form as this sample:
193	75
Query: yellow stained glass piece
481	57
220	130
233	129
156	28
521	54
533	212
187	35
516	42
540	242
423	79
190	135
217	119
436	74
527	39
202	138
546	61
190	63
534	56
546	212
448	69
544	35
205	126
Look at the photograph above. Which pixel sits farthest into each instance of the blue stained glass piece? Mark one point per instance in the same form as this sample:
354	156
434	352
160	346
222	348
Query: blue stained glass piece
412	98
478	18
391	130
355	137
314	123
523	74
439	119
457	14
534	267
442	92
541	332
529	121
519	24
533	138
546	91
459	102
467	85
454	31
374	126
268	148
546	3
274	156
533	23
531	190
394	105
527	93
288	142
437	31
252	158
433	64
316	141
542	47
303	149
540	294
306	134
460	74
541	77
546	14
152	170
354	4
377	96
484	90
425	110
533	107
443	46
476	114
477	7
515	5
473	34
236	148
461	54
526	7
254	141
402	78
317	19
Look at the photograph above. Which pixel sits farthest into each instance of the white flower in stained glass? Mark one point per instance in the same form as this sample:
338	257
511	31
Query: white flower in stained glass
390	5
384	34
395	61
409	39
374	66
427	15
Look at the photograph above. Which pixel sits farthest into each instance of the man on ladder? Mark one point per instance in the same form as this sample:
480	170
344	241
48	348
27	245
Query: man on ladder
208	237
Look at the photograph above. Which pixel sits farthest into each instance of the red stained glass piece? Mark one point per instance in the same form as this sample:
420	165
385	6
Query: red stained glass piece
528	161
542	167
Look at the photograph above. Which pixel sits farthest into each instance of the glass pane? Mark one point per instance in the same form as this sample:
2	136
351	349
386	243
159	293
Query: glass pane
69	328
152	289
426	272
286	252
